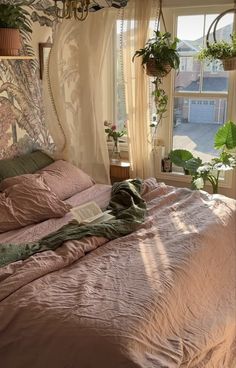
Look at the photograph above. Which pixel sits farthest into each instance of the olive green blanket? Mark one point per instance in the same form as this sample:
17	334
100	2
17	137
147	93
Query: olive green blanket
126	204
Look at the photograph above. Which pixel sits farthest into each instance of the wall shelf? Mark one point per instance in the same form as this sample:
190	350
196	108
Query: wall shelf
17	57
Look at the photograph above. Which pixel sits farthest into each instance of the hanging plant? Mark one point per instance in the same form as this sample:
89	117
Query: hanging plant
159	56
222	50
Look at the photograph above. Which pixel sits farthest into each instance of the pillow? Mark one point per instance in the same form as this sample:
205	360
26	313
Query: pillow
9	182
24	164
28	202
65	179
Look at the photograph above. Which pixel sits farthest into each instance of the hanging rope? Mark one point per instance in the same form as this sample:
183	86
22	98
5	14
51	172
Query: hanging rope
161	17
214	24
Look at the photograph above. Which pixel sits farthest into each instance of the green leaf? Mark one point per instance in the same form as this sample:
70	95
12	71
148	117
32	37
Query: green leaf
193	164
226	136
179	157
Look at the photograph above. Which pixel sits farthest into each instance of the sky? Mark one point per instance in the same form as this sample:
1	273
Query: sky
191	27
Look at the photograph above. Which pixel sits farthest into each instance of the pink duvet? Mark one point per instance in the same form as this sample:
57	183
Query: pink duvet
163	296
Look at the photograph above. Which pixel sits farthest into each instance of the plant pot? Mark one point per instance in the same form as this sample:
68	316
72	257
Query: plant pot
153	71
186	172
10	42
229	63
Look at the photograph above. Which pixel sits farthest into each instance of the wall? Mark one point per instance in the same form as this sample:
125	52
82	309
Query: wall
22	124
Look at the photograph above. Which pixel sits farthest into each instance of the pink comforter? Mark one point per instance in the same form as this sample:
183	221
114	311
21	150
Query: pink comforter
161	297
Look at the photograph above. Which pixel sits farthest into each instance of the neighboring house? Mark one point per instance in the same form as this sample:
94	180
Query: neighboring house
194	110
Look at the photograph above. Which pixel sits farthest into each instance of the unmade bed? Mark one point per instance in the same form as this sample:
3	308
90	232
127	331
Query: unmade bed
163	296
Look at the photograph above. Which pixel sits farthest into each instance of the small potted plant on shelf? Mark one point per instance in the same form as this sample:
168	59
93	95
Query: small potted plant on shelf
201	172
13	23
159	56
221	50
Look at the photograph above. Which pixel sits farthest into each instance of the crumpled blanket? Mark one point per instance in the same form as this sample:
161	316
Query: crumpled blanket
126	204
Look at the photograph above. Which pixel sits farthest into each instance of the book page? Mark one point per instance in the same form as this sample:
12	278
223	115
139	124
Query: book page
86	211
104	217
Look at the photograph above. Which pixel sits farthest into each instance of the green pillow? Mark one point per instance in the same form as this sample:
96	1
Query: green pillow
25	164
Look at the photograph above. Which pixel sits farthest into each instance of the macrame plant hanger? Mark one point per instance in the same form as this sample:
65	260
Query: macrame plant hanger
160	97
229	63
151	68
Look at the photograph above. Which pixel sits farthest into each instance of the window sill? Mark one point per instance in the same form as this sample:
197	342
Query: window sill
182	178
123	146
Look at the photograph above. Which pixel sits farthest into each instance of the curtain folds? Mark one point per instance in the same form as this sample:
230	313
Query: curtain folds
136	28
76	85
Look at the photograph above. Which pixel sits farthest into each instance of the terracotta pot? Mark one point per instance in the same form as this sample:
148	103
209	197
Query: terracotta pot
10	42
153	71
229	63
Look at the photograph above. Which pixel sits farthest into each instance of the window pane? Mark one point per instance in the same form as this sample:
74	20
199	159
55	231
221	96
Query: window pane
195	124
190	27
214	77
224	27
188	78
190	30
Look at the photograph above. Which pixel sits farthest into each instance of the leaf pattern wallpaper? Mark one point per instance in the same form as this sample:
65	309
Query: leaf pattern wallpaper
22	121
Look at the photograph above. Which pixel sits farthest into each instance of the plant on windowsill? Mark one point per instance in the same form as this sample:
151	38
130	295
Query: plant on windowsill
159	56
14	23
201	172
223	51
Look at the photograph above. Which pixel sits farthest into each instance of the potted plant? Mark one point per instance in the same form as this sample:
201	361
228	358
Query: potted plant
112	132
201	172
223	51
13	23
159	56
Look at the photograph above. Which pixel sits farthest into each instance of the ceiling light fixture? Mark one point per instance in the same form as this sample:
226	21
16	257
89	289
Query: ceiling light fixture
77	9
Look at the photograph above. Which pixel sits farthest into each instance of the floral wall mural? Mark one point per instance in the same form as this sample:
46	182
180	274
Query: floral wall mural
22	122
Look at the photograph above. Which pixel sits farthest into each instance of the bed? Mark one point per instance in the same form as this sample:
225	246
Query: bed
163	296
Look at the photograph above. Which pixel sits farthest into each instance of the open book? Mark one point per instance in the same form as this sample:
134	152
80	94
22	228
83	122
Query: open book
90	213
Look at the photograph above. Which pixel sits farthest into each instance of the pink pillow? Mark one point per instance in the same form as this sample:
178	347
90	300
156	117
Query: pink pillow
9	182
28	202
65	179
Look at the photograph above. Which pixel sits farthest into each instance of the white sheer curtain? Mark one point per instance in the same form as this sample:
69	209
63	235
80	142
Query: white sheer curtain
137	18
78	86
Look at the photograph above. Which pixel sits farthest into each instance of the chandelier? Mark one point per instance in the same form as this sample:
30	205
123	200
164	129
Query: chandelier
77	9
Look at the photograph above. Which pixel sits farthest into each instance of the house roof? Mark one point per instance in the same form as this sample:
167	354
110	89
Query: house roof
216	84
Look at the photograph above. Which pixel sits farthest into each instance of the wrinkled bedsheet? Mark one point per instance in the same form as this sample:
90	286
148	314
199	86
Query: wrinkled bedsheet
161	297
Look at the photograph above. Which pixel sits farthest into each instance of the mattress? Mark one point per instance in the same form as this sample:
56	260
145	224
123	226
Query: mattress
163	296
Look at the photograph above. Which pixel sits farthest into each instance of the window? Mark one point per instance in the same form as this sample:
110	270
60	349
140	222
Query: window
200	89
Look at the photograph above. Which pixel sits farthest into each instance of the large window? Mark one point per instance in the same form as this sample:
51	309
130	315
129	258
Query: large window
200	89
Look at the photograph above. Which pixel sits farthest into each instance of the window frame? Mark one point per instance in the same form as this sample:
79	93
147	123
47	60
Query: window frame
166	130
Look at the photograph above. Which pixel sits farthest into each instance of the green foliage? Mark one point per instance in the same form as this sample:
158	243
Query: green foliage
162	49
14	16
179	157
226	136
219	50
225	139
111	131
192	165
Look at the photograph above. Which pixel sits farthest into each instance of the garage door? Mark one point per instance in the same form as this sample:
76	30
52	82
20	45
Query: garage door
202	111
